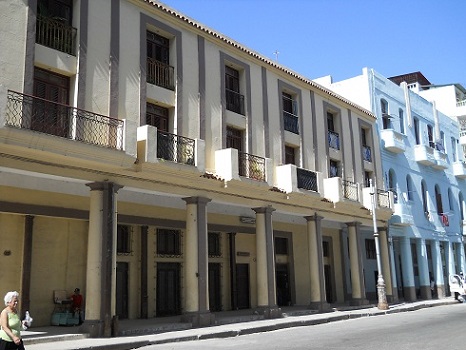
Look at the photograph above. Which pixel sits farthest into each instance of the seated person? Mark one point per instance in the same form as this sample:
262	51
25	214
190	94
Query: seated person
76	304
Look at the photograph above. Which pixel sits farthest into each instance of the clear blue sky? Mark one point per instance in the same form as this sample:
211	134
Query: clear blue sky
339	37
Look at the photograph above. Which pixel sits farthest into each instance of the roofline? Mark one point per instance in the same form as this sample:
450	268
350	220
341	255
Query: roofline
252	53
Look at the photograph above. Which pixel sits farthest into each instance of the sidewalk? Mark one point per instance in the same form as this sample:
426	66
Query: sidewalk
232	324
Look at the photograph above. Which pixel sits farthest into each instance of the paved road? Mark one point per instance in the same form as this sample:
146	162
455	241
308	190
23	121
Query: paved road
426	329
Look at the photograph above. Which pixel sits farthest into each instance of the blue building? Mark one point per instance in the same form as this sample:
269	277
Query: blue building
420	160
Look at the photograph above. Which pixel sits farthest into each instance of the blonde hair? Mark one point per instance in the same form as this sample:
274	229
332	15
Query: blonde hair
9	297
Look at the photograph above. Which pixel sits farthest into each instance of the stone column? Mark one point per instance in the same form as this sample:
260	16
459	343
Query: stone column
461	258
265	252
423	266
316	267
385	257
196	267
356	266
101	260
409	288
438	268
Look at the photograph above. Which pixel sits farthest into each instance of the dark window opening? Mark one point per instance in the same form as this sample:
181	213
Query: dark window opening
168	242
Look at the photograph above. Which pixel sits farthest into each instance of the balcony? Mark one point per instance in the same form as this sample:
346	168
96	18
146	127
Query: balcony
459	169
160	74
424	155
367	154
230	164
442	160
54	33
291	122
290	178
333	140
384	199
337	190
251	166
47	117
393	141
402	215
234	101
175	148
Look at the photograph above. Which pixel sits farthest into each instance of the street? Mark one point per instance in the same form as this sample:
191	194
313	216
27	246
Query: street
429	328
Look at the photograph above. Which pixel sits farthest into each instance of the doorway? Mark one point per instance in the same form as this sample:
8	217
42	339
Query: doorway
283	285
215	300
122	269
242	285
168	300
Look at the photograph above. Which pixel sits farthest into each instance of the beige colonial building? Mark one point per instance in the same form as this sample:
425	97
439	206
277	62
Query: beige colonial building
166	169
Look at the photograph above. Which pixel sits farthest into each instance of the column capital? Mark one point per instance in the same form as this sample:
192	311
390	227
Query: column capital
196	200
353	224
314	217
264	210
100	186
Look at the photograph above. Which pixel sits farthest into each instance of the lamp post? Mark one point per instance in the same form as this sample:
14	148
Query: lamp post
381	294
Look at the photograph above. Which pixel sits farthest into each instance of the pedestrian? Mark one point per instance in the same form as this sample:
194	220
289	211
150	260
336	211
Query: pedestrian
432	286
77	304
11	324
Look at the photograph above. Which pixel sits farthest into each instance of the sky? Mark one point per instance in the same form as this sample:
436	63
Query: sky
316	38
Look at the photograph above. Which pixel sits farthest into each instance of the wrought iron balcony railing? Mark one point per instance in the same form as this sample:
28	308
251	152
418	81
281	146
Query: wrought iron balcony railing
383	198
307	179
367	153
350	190
53	33
251	166
235	101
160	74
333	140
175	148
291	122
38	114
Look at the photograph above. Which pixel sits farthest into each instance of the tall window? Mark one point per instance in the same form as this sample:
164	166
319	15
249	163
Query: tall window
290	157
367	178
56	9
453	149
430	136
334	170
234	100
332	135
402	121
416	131
438	200
281	245
51	118
214	244
385	116
370	249
392	184
290	113
410	188
168	242
157	116
234	138
124	239
425	194
366	149
158	47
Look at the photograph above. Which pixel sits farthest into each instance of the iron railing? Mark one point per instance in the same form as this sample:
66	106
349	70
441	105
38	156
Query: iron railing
37	114
350	190
333	140
367	153
234	101
175	148
383	198
160	74
251	166
307	179
53	33
291	122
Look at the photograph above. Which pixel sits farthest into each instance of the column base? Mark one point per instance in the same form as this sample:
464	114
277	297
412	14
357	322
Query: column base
409	293
319	305
358	302
269	311
199	319
441	291
425	292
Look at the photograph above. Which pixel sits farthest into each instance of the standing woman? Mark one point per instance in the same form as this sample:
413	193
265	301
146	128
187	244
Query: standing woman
11	324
